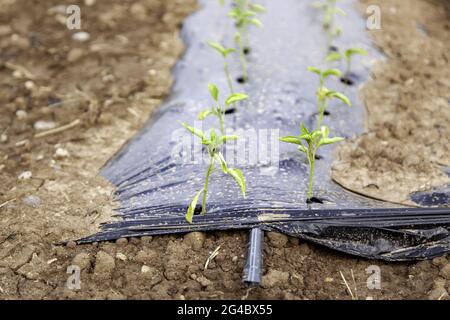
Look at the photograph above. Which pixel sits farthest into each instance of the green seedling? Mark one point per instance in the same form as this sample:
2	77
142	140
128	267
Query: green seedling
244	15
324	95
309	142
224	52
213	144
330	10
324	74
348	54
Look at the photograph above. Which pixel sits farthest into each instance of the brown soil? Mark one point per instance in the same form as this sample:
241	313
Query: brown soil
111	83
407	141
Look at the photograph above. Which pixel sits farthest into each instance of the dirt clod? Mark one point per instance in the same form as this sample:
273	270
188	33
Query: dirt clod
445	271
276	239
34	268
82	260
275	278
195	240
104	264
146	256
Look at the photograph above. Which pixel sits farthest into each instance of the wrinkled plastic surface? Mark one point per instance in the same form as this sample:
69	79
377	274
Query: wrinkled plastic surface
155	188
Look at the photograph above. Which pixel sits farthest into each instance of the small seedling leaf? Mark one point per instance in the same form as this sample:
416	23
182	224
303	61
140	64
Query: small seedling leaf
315	134
219	48
352	51
239	178
202	115
315	70
324	131
291	139
257	8
229	137
303	149
331	72
334	56
341	97
303	129
214	91
326	141
221	160
192	206
212	135
256	22
235	97
197	132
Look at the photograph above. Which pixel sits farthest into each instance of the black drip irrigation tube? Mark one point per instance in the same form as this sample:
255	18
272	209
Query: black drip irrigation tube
155	184
252	274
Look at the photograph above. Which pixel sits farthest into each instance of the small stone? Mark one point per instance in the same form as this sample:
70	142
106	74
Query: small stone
82	260
71	245
275	278
146	240
276	239
26	175
145	269
204	282
138	11
21	114
195	240
32	201
297	280
5	30
20	42
121	256
122	242
304	249
234	259
44	125
329	280
75	54
146	256
81	36
439	261
89	3
445	271
61	153
29	85
3	138
104	263
135	240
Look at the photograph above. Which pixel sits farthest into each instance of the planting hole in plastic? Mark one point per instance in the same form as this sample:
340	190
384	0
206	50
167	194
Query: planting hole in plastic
230	110
241	80
315	200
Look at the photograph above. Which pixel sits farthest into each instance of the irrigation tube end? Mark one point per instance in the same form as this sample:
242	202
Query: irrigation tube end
253	267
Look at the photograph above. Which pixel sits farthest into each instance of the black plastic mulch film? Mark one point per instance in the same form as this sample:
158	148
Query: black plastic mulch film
155	183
